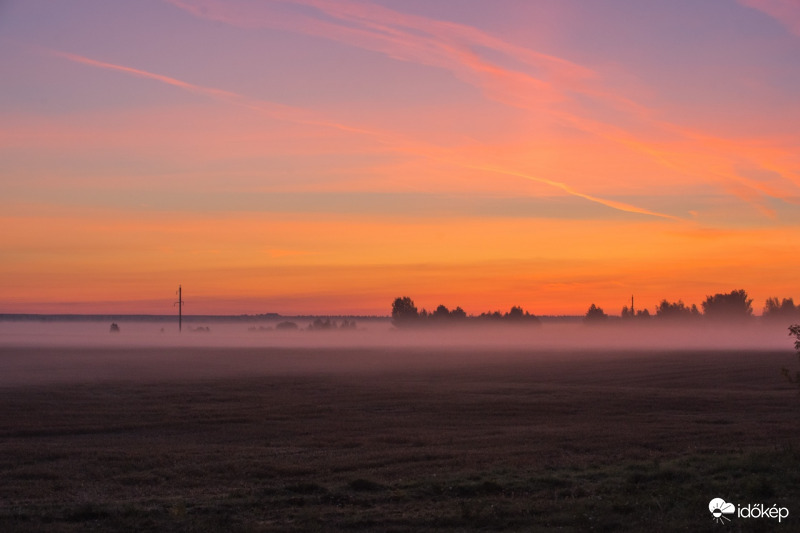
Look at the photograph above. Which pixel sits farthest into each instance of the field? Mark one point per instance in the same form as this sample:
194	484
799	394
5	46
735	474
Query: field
404	439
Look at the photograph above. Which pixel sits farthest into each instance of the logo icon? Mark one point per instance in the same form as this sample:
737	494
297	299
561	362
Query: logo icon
719	508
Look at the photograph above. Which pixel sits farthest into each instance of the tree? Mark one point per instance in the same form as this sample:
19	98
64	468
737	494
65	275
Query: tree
676	310
443	316
404	312
348	324
785	309
518	314
319	324
630	314
441	313
458	314
731	305
795	331
595	314
515	313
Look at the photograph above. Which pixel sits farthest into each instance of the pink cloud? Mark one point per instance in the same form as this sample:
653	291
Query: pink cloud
540	82
416	39
398	143
787	12
457	48
276	111
215	93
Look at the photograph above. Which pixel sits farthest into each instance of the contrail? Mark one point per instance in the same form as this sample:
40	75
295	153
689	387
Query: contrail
216	93
277	111
620	206
301	116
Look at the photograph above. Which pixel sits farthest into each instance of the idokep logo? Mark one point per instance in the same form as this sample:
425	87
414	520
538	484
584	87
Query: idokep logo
719	508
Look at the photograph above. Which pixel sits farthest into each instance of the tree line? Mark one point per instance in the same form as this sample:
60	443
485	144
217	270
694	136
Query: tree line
734	305
405	313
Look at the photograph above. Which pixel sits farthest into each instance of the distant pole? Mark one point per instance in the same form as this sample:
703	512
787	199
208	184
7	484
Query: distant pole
179	303
633	313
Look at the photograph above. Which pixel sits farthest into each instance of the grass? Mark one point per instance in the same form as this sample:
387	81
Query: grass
631	443
631	496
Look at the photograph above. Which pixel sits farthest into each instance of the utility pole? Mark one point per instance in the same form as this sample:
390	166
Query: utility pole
179	303
633	312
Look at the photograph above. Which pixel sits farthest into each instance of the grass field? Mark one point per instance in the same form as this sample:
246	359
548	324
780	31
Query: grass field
413	439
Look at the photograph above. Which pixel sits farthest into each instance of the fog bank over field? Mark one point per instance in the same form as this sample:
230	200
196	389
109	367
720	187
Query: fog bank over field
381	333
42	352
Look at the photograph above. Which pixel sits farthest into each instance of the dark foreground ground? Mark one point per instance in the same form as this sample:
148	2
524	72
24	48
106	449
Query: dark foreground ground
294	440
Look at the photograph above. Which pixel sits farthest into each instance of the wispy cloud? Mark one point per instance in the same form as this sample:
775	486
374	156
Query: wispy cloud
411	38
391	139
274	110
207	91
787	12
524	79
620	206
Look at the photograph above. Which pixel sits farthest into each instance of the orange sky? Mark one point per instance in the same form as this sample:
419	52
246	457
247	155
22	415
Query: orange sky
324	157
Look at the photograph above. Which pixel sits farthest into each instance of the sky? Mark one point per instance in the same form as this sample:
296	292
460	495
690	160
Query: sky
327	156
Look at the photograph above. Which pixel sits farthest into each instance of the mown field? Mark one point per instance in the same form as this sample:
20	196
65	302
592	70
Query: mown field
252	439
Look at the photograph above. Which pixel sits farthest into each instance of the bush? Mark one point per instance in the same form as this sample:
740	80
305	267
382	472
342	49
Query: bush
794	331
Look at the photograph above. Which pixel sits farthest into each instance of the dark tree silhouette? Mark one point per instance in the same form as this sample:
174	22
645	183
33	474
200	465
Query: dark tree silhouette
319	324
785	309
515	313
628	314
518	314
731	305
458	314
676	310
794	331
441	313
348	324
404	312
595	314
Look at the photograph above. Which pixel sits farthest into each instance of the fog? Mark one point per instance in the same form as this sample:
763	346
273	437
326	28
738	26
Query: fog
380	333
43	352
